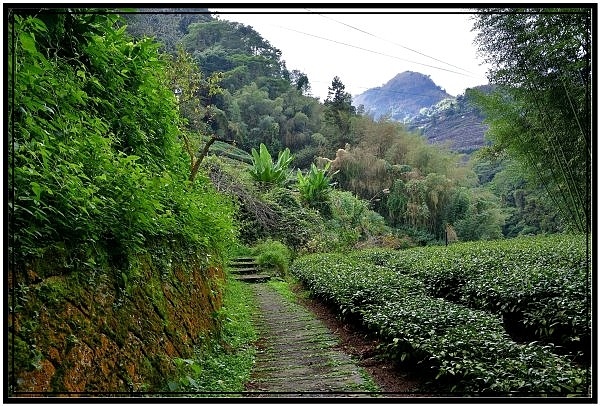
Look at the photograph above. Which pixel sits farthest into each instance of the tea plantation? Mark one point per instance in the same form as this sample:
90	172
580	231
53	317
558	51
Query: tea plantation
501	317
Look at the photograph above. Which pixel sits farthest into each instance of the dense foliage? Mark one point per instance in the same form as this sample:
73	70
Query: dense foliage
527	208
441	309
95	165
416	186
168	25
541	111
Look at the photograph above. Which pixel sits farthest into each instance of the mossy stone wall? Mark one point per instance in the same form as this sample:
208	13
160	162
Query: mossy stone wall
106	331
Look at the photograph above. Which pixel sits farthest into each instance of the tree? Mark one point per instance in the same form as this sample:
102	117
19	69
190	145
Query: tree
165	24
484	219
339	110
300	81
193	91
257	112
239	52
541	111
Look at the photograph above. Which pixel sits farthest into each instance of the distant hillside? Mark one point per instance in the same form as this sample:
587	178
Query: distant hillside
415	100
402	97
454	121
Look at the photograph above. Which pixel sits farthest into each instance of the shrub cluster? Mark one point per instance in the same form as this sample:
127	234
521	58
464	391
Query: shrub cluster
95	164
467	348
273	256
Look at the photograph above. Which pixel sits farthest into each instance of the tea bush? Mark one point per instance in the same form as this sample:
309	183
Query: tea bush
540	284
468	349
349	284
550	304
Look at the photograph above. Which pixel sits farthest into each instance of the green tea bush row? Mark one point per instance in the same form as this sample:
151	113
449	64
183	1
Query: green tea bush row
551	304
540	284
351	285
468	349
446	269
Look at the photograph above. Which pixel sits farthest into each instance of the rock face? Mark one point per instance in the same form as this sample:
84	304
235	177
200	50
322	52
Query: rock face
402	97
454	122
104	332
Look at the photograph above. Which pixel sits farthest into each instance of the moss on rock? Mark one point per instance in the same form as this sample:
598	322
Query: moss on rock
103	334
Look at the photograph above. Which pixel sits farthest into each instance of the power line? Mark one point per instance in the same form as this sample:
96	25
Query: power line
391	42
375	52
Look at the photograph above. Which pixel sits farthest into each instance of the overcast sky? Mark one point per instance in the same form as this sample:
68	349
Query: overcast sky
370	47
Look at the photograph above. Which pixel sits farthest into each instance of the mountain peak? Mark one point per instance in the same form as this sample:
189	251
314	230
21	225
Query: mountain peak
409	75
401	97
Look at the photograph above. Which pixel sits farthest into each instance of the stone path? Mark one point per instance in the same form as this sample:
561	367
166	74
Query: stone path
297	354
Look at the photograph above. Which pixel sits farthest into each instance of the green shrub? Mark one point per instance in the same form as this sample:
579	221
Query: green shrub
314	187
273	256
96	164
265	171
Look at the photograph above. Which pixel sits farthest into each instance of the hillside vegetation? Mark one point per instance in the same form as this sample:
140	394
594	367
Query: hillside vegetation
115	257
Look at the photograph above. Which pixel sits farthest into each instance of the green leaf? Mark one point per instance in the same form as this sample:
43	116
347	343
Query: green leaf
28	42
130	158
38	24
37	189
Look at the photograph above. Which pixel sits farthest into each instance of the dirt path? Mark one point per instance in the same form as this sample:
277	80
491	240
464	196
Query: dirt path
298	355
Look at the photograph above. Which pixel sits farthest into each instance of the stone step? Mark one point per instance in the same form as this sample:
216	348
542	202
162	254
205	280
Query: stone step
242	263
244	259
254	278
244	271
